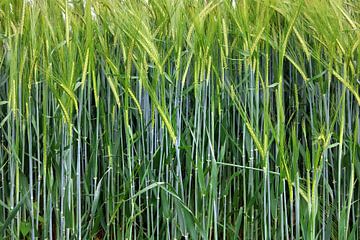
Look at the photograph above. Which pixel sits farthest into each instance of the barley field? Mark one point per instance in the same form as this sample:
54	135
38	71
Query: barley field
179	119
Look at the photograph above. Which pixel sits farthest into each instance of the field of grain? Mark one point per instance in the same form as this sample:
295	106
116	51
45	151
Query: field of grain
179	119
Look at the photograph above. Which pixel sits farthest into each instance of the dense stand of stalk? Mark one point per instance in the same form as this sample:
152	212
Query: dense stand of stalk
179	119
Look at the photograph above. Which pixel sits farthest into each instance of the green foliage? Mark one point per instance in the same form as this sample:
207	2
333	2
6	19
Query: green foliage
175	119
